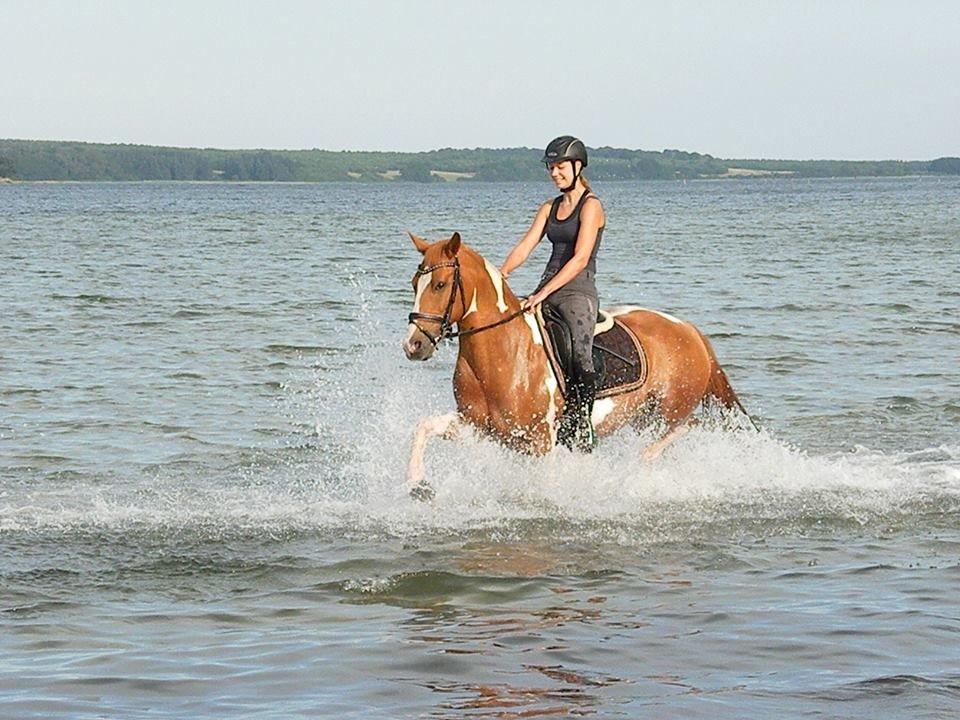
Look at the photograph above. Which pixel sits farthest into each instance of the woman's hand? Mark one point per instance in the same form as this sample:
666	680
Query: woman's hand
531	302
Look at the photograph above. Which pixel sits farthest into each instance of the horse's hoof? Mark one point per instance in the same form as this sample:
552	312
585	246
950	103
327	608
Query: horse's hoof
423	492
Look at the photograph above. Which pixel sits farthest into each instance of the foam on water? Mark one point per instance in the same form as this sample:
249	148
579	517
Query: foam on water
351	480
709	478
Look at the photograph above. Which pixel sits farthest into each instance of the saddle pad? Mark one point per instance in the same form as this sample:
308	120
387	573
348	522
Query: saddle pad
624	362
624	366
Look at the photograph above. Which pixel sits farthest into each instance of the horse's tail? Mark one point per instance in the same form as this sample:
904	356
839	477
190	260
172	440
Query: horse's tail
719	388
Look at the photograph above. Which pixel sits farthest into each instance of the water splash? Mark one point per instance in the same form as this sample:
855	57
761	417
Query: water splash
348	480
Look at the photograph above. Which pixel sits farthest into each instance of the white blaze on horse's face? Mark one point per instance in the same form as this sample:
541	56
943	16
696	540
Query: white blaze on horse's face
416	345
422	284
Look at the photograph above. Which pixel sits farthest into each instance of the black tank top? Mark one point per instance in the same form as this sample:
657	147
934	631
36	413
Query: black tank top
563	236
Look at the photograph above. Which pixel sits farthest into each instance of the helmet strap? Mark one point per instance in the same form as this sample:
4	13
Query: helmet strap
576	174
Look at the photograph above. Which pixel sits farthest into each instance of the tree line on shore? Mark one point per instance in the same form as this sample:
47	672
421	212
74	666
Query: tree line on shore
56	160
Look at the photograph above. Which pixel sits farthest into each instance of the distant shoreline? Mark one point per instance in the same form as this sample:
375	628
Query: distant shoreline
706	178
57	161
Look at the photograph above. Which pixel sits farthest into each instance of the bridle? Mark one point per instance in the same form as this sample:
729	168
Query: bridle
446	326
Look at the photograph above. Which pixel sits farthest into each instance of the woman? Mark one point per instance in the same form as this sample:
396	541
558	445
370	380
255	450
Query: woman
573	222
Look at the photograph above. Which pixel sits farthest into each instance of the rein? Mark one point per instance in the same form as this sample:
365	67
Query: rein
446	327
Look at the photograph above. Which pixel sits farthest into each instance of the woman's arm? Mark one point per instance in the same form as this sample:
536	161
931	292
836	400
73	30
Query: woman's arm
591	220
528	242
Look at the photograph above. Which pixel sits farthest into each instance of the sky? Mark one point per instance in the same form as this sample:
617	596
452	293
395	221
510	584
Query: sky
840	79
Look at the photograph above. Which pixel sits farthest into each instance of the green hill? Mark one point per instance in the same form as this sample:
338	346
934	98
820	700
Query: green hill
56	160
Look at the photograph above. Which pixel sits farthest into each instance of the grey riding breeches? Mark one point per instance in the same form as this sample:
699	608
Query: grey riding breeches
577	305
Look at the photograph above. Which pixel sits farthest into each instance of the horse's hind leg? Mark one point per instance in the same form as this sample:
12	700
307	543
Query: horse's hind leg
657	447
445	425
676	415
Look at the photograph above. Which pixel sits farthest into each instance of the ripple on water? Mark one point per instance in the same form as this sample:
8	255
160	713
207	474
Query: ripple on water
202	501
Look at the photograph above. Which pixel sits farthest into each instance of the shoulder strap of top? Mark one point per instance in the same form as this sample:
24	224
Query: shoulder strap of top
553	208
576	210
580	202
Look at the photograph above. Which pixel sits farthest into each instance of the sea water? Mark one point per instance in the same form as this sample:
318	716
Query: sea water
206	414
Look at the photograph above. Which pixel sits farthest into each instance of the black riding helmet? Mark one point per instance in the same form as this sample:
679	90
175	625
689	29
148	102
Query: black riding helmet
565	147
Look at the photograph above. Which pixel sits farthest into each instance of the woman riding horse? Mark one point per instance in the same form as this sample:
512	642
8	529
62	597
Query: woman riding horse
504	384
573	222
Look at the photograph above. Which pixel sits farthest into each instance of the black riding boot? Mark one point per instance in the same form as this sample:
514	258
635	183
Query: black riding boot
575	429
586	438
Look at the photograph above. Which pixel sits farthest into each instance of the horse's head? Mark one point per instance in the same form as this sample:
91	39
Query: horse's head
439	302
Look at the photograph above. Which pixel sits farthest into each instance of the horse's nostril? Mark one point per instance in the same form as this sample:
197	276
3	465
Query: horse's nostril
417	344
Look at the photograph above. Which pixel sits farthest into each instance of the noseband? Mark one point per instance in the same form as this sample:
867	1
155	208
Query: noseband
446	327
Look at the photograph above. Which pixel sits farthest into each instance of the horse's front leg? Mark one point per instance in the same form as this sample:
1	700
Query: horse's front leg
447	426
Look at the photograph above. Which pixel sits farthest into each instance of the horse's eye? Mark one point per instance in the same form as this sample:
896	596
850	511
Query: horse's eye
440	285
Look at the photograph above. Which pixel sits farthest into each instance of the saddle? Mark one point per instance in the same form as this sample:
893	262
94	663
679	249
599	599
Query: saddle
618	356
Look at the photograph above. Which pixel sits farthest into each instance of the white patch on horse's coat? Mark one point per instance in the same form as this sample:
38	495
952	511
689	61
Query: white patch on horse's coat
624	309
427	428
534	328
549	380
521	374
601	408
671	318
551	418
473	304
439	424
497	280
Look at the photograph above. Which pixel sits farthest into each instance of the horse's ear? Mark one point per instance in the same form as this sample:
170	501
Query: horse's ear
419	242
453	245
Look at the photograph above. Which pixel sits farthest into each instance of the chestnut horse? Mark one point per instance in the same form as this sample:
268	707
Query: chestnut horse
504	384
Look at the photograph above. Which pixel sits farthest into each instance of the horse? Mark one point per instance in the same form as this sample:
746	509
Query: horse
503	383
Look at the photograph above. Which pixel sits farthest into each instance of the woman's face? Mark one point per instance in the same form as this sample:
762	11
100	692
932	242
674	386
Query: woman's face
561	173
